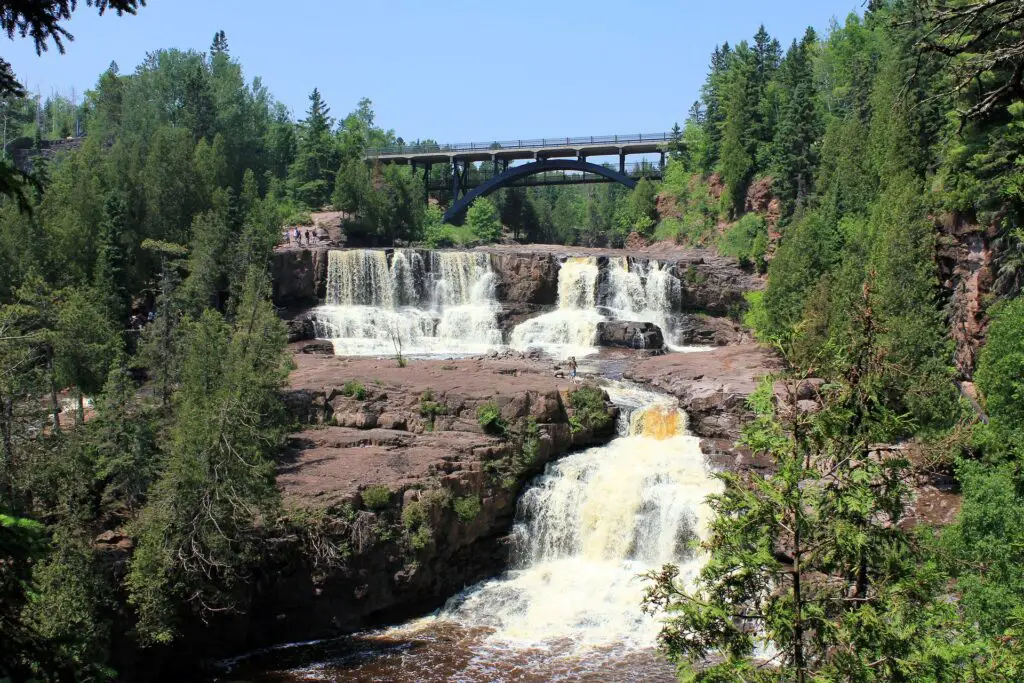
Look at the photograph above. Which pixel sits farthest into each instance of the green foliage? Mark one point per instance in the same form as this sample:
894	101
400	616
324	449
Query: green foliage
417	525
483	221
354	389
430	409
589	409
1000	376
746	240
489	417
216	495
376	497
467	508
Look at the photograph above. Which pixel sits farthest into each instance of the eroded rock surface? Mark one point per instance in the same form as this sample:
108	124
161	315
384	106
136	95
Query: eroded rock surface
405	476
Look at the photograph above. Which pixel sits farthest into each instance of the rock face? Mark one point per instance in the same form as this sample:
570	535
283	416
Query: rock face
630	335
299	276
965	260
704	330
408	483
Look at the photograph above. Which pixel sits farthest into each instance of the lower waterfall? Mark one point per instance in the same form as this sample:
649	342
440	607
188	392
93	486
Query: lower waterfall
587	528
569	608
410	304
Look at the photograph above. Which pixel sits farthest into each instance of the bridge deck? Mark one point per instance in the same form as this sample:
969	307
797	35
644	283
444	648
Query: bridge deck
548	148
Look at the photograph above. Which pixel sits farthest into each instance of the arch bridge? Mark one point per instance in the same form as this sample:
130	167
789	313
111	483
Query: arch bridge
549	161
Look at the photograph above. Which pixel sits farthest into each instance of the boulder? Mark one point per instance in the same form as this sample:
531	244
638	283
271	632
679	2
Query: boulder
630	335
704	330
300	328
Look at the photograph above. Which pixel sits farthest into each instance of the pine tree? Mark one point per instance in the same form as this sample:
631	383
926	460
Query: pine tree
794	159
109	276
313	171
738	127
219	45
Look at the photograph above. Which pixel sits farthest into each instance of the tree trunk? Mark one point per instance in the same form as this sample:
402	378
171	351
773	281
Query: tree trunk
80	418
798	624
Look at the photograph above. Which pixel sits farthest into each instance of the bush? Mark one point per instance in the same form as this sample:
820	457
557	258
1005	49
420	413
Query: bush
354	389
414	519
430	409
467	508
483	221
746	240
377	497
489	416
590	411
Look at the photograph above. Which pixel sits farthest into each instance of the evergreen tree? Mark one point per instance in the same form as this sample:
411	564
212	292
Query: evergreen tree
794	160
219	44
483	221
312	173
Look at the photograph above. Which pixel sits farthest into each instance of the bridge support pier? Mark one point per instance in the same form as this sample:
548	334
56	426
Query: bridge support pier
622	163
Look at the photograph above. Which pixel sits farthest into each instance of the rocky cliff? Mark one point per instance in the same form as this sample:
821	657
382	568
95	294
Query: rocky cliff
401	485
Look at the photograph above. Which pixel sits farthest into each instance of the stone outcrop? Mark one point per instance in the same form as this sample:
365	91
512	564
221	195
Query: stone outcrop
965	259
705	330
299	276
630	335
397	472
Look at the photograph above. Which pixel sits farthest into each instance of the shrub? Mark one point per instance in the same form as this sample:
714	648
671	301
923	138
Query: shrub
746	240
590	411
414	519
531	443
354	389
377	497
489	416
467	508
430	409
483	221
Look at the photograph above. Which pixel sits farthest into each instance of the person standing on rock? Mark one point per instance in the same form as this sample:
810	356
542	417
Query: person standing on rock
572	369
307	239
298	237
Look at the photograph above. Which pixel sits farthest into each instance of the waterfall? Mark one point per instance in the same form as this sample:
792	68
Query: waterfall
444	304
571	329
644	291
587	528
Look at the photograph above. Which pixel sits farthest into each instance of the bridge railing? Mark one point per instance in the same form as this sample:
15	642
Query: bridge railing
422	148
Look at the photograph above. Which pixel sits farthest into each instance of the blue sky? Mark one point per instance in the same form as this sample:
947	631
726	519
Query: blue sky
451	70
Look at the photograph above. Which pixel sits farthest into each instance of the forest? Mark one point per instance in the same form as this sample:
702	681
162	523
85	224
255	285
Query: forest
868	137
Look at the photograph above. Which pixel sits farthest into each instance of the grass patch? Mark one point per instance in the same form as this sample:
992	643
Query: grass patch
377	497
430	409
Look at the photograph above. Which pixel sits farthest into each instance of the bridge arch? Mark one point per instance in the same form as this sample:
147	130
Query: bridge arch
516	172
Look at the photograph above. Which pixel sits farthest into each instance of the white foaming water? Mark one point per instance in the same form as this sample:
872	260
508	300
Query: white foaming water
571	329
373	306
643	291
585	531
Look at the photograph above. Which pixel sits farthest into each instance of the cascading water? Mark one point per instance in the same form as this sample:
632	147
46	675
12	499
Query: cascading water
587	528
570	607
571	329
375	307
643	291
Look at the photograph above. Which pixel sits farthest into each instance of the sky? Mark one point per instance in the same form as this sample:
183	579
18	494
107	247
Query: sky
450	70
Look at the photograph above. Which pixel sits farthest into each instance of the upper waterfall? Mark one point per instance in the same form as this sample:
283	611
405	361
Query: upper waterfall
377	305
590	293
